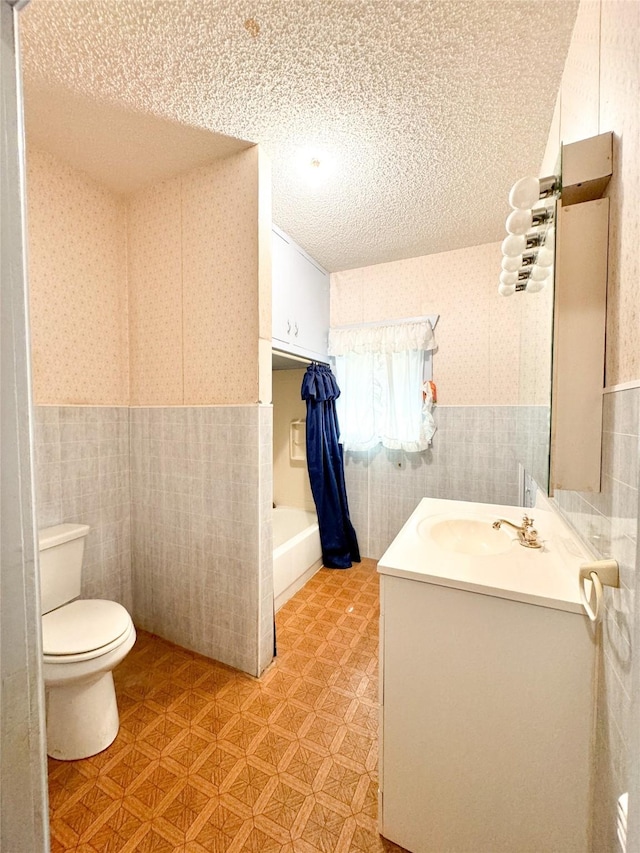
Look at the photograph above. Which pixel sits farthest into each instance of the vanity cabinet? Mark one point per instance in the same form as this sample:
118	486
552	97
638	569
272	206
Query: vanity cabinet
486	697
485	723
300	306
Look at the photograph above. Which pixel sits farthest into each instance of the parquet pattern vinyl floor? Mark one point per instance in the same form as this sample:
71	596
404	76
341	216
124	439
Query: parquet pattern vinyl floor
209	760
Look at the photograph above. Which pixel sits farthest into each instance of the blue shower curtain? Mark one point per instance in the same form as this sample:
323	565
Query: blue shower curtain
326	469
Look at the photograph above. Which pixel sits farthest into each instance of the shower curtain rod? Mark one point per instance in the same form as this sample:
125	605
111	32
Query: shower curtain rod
301	358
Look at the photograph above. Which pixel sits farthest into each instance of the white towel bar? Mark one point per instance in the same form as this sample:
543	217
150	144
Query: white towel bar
621	823
599	572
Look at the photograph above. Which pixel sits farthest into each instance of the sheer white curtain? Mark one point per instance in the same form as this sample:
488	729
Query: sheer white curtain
381	371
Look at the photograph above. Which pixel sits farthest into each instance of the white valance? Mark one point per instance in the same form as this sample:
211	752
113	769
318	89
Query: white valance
389	338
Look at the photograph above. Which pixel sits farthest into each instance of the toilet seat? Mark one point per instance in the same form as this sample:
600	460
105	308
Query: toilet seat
84	629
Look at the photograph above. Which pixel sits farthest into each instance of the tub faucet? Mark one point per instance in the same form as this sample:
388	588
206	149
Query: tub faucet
527	535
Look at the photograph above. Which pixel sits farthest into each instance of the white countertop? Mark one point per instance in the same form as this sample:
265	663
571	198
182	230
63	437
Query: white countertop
546	577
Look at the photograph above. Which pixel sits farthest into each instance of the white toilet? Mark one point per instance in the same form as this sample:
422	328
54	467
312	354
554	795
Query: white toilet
83	640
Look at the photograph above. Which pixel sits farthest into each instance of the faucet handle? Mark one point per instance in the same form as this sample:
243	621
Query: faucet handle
530	534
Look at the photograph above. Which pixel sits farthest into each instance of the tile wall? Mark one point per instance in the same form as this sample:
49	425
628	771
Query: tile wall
179	505
474	457
599	93
608	521
23	793
198	514
82	475
265	520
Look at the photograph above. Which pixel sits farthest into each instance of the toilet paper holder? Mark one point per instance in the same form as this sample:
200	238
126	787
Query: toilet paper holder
600	573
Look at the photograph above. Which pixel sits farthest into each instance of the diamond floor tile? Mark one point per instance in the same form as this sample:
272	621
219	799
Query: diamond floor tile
210	760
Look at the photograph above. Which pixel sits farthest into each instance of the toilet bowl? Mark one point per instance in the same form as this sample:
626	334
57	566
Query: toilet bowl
83	640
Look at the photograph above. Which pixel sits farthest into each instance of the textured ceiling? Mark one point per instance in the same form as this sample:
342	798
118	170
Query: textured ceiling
425	110
122	149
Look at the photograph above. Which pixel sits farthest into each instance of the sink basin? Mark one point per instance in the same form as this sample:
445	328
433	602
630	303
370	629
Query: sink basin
465	536
453	544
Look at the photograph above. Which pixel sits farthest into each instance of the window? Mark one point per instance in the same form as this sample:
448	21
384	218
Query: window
381	371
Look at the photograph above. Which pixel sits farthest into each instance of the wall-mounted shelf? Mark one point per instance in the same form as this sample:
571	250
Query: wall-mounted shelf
298	441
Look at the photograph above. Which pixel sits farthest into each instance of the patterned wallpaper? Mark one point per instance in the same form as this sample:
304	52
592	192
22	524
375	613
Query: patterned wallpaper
579	105
78	286
618	96
193	276
536	325
163	283
220	281
479	332
155	295
599	94
265	222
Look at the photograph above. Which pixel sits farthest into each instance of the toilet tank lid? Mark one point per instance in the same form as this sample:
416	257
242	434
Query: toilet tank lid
50	536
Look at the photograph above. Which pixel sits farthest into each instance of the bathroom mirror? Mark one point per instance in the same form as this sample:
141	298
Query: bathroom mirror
561	365
533	430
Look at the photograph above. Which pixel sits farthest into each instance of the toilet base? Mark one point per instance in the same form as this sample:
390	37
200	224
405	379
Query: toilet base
82	717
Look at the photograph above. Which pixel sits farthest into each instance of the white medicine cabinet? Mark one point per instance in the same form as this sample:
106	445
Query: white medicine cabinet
300	307
579	315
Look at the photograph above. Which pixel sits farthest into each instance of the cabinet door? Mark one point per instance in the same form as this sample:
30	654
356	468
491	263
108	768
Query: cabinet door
310	296
487	711
300	305
579	323
281	307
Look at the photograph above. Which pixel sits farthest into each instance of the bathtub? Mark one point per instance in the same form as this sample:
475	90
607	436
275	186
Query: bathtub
296	551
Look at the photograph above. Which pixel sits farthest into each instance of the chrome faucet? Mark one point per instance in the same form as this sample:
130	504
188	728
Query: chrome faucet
527	535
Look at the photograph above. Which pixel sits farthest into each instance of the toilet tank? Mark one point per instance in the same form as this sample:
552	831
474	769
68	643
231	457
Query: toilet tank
61	549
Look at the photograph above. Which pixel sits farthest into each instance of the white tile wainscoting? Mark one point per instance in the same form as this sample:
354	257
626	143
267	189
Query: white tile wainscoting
179	504
474	457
